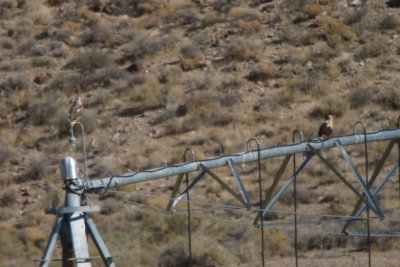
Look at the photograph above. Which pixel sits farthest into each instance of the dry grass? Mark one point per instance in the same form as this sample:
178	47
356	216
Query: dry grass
210	77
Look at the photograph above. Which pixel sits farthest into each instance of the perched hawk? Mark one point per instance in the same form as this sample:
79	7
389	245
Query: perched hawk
326	128
75	111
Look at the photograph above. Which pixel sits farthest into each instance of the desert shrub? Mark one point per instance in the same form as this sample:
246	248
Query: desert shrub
312	10
89	61
247	27
55	2
7	43
149	95
6	153
181	14
390	22
242	13
315	86
42	62
336	106
103	78
354	16
35	166
373	47
335	31
14	82
189	50
298	36
7	198
66	81
198	81
389	97
13	65
389	63
191	64
360	97
295	4
262	72
243	49
96	34
144	45
229	84
32	235
42	110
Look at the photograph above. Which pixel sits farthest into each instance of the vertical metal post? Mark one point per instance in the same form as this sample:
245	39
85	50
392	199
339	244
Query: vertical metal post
294	133
74	240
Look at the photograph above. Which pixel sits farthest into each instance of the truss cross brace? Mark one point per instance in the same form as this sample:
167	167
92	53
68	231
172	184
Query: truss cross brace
341	177
285	187
273	187
373	178
357	214
357	175
242	197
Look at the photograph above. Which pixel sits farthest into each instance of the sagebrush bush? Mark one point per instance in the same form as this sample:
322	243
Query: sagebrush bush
362	96
336	106
6	153
144	45
389	97
263	72
68	82
390	22
181	14
312	10
243	49
35	166
247	27
42	110
13	65
14	82
89	61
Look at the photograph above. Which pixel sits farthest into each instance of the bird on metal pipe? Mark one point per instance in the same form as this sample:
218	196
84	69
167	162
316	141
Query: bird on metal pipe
326	128
75	111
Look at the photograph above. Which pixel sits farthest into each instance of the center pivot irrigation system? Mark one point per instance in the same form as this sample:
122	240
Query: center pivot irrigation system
73	221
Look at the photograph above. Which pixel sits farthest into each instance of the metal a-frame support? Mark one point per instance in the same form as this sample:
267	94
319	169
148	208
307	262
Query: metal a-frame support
71	222
242	196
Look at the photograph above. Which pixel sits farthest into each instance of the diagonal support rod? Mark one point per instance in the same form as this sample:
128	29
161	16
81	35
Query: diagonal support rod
285	186
243	193
94	233
225	186
174	193
52	242
373	177
358	212
190	186
357	175
273	186
341	177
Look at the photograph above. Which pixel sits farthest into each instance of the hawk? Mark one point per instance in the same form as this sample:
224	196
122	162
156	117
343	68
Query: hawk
75	111
326	128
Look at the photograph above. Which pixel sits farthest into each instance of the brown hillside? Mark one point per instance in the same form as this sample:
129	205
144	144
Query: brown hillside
158	76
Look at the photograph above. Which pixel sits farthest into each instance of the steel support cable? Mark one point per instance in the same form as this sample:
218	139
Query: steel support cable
294	133
366	182
241	208
216	219
227	221
260	195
